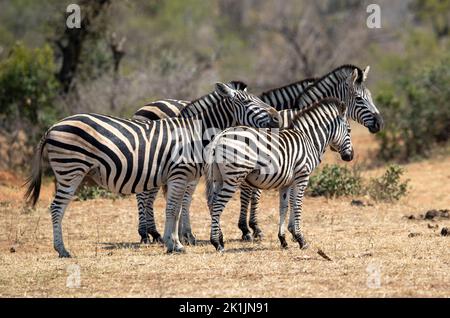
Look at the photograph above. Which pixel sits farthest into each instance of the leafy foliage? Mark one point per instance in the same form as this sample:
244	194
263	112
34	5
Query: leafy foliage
435	12
334	181
417	113
389	186
27	84
89	192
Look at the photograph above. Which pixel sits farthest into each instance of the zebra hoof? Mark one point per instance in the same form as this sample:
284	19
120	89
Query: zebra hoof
219	246
176	250
247	237
145	240
157	239
283	242
189	239
304	246
64	254
301	242
258	236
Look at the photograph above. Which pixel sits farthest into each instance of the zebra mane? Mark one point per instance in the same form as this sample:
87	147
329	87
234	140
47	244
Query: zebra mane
198	105
345	69
309	79
340	73
321	103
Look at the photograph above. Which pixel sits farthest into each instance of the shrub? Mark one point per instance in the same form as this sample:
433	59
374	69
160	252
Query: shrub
89	192
27	84
334	181
388	187
416	113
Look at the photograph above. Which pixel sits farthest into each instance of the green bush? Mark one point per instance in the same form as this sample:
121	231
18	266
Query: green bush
416	114
89	192
334	181
27	85
388	187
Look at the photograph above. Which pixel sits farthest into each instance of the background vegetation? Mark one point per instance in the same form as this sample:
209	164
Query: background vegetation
131	52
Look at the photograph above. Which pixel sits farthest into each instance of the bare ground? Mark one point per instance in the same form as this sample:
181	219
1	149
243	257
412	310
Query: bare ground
375	250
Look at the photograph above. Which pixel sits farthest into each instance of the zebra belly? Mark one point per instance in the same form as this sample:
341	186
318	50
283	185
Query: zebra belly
269	181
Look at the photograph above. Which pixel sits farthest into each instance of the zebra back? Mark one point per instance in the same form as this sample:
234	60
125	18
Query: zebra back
168	108
284	97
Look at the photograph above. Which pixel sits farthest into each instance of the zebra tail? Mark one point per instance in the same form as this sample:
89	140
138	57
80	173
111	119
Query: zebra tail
34	181
214	180
164	190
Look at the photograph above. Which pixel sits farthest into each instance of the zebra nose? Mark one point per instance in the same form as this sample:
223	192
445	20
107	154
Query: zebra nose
347	156
377	125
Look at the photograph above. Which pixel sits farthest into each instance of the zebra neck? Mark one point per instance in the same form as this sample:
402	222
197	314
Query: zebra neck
317	130
201	105
211	122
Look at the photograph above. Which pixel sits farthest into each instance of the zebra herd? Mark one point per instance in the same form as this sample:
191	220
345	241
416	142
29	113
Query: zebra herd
234	138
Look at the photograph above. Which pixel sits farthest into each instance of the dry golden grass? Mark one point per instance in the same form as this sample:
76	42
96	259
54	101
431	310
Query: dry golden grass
102	237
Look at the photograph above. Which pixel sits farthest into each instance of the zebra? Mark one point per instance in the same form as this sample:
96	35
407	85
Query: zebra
160	109
126	156
347	83
275	159
280	98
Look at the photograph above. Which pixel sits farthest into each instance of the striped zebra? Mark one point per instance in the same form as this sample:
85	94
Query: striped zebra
126	156
275	159
167	108
280	98
346	83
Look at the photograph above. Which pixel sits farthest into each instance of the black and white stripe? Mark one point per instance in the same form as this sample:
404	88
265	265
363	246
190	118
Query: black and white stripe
168	108
280	98
346	83
274	159
127	156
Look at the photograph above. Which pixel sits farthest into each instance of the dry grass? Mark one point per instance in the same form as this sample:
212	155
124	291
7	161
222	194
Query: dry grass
102	237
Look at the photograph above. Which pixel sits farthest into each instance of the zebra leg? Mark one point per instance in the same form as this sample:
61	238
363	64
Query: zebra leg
64	194
257	233
297	194
150	216
291	224
221	199
184	228
284	205
246	193
147	223
175	193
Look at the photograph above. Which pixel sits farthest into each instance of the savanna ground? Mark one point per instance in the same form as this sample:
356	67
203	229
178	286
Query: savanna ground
367	245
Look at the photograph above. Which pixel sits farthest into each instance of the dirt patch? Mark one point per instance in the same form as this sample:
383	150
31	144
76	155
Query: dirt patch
103	239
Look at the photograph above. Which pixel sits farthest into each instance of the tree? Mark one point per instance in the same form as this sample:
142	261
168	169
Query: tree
72	40
435	12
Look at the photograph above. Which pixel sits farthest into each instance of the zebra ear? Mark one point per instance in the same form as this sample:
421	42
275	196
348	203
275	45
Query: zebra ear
365	72
225	91
354	76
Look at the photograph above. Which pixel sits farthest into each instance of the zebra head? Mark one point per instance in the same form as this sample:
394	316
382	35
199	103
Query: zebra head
340	139
247	109
359	100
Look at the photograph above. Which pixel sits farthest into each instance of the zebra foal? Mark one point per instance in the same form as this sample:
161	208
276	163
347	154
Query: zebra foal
272	159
